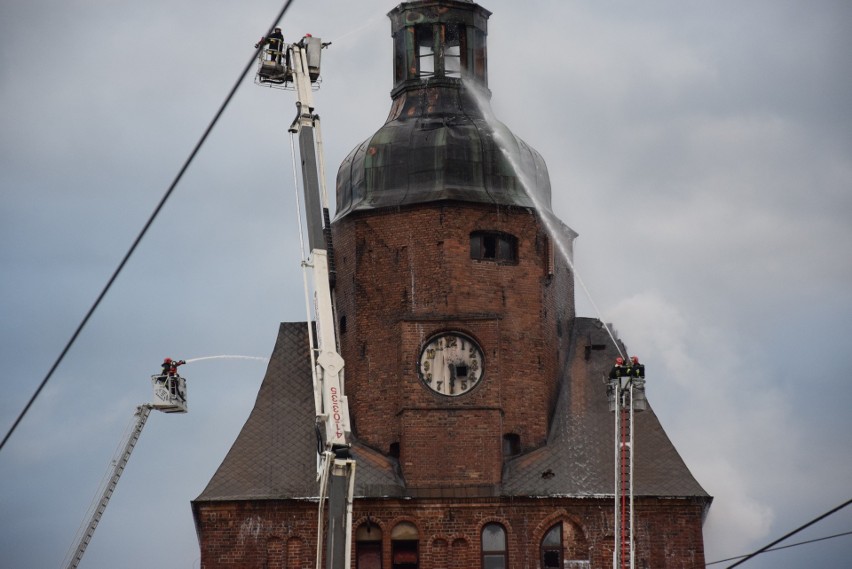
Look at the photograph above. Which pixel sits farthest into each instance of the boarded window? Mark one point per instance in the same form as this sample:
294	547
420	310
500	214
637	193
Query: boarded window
368	546
404	540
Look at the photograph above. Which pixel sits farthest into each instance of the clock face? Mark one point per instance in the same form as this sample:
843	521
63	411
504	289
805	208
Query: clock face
451	364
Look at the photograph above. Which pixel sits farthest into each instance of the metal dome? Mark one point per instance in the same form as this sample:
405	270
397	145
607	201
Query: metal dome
440	141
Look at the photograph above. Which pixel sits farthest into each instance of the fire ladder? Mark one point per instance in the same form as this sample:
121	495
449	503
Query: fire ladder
169	397
626	390
142	413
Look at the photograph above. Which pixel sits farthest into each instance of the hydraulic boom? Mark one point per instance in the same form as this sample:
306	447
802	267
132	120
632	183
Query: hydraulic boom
296	67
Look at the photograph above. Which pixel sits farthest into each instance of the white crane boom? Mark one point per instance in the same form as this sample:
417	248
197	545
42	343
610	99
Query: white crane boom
296	66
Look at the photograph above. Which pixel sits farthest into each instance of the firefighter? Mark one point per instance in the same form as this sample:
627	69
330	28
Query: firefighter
276	45
173	370
631	368
618	369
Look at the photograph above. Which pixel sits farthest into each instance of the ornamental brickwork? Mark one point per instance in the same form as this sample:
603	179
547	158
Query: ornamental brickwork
282	534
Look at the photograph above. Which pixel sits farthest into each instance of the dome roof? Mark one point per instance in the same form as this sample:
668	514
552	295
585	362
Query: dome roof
440	143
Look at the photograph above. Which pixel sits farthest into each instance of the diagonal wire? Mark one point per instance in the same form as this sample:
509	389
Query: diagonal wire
147	226
795	531
779	548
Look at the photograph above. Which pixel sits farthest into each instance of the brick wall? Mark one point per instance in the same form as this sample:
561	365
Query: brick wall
451	447
406	274
282	534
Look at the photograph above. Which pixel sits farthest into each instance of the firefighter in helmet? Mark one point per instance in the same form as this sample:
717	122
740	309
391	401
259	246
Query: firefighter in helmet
275	40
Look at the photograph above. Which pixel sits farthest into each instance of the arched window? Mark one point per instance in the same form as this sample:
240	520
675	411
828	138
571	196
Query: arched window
551	548
404	541
368	546
494	551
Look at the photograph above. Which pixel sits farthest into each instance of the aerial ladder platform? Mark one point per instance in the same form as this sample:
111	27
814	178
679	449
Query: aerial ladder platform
626	395
296	67
169	397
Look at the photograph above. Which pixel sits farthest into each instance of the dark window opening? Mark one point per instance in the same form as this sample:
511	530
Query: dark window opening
511	444
424	36
551	559
393	450
551	548
494	246
454	50
480	59
343	324
404	540
404	555
399	56
489	246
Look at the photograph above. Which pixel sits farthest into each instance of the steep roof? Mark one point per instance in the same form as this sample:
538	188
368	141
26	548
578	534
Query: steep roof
578	459
274	454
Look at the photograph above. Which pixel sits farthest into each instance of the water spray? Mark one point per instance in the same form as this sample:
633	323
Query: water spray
547	218
191	360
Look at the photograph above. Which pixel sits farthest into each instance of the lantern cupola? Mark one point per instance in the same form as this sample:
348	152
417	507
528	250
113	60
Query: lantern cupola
441	141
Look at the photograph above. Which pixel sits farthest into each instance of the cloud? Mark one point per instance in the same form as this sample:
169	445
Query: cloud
721	412
702	150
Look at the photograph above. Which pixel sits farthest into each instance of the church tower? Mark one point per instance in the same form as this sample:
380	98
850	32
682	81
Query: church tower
450	296
482	432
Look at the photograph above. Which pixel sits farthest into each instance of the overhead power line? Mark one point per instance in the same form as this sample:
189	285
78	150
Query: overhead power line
147	226
779	548
795	531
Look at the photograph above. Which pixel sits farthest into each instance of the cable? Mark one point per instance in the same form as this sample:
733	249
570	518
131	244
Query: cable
795	531
146	227
784	547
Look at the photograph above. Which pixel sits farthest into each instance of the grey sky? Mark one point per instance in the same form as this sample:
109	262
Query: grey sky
703	151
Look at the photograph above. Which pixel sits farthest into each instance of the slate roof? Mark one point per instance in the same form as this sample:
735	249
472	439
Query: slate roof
274	454
578	459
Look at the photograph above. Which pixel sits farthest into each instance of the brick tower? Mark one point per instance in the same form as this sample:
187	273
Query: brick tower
439	251
483	436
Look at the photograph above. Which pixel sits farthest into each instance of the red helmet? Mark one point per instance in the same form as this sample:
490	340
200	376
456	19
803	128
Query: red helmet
167	361
619	360
635	360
